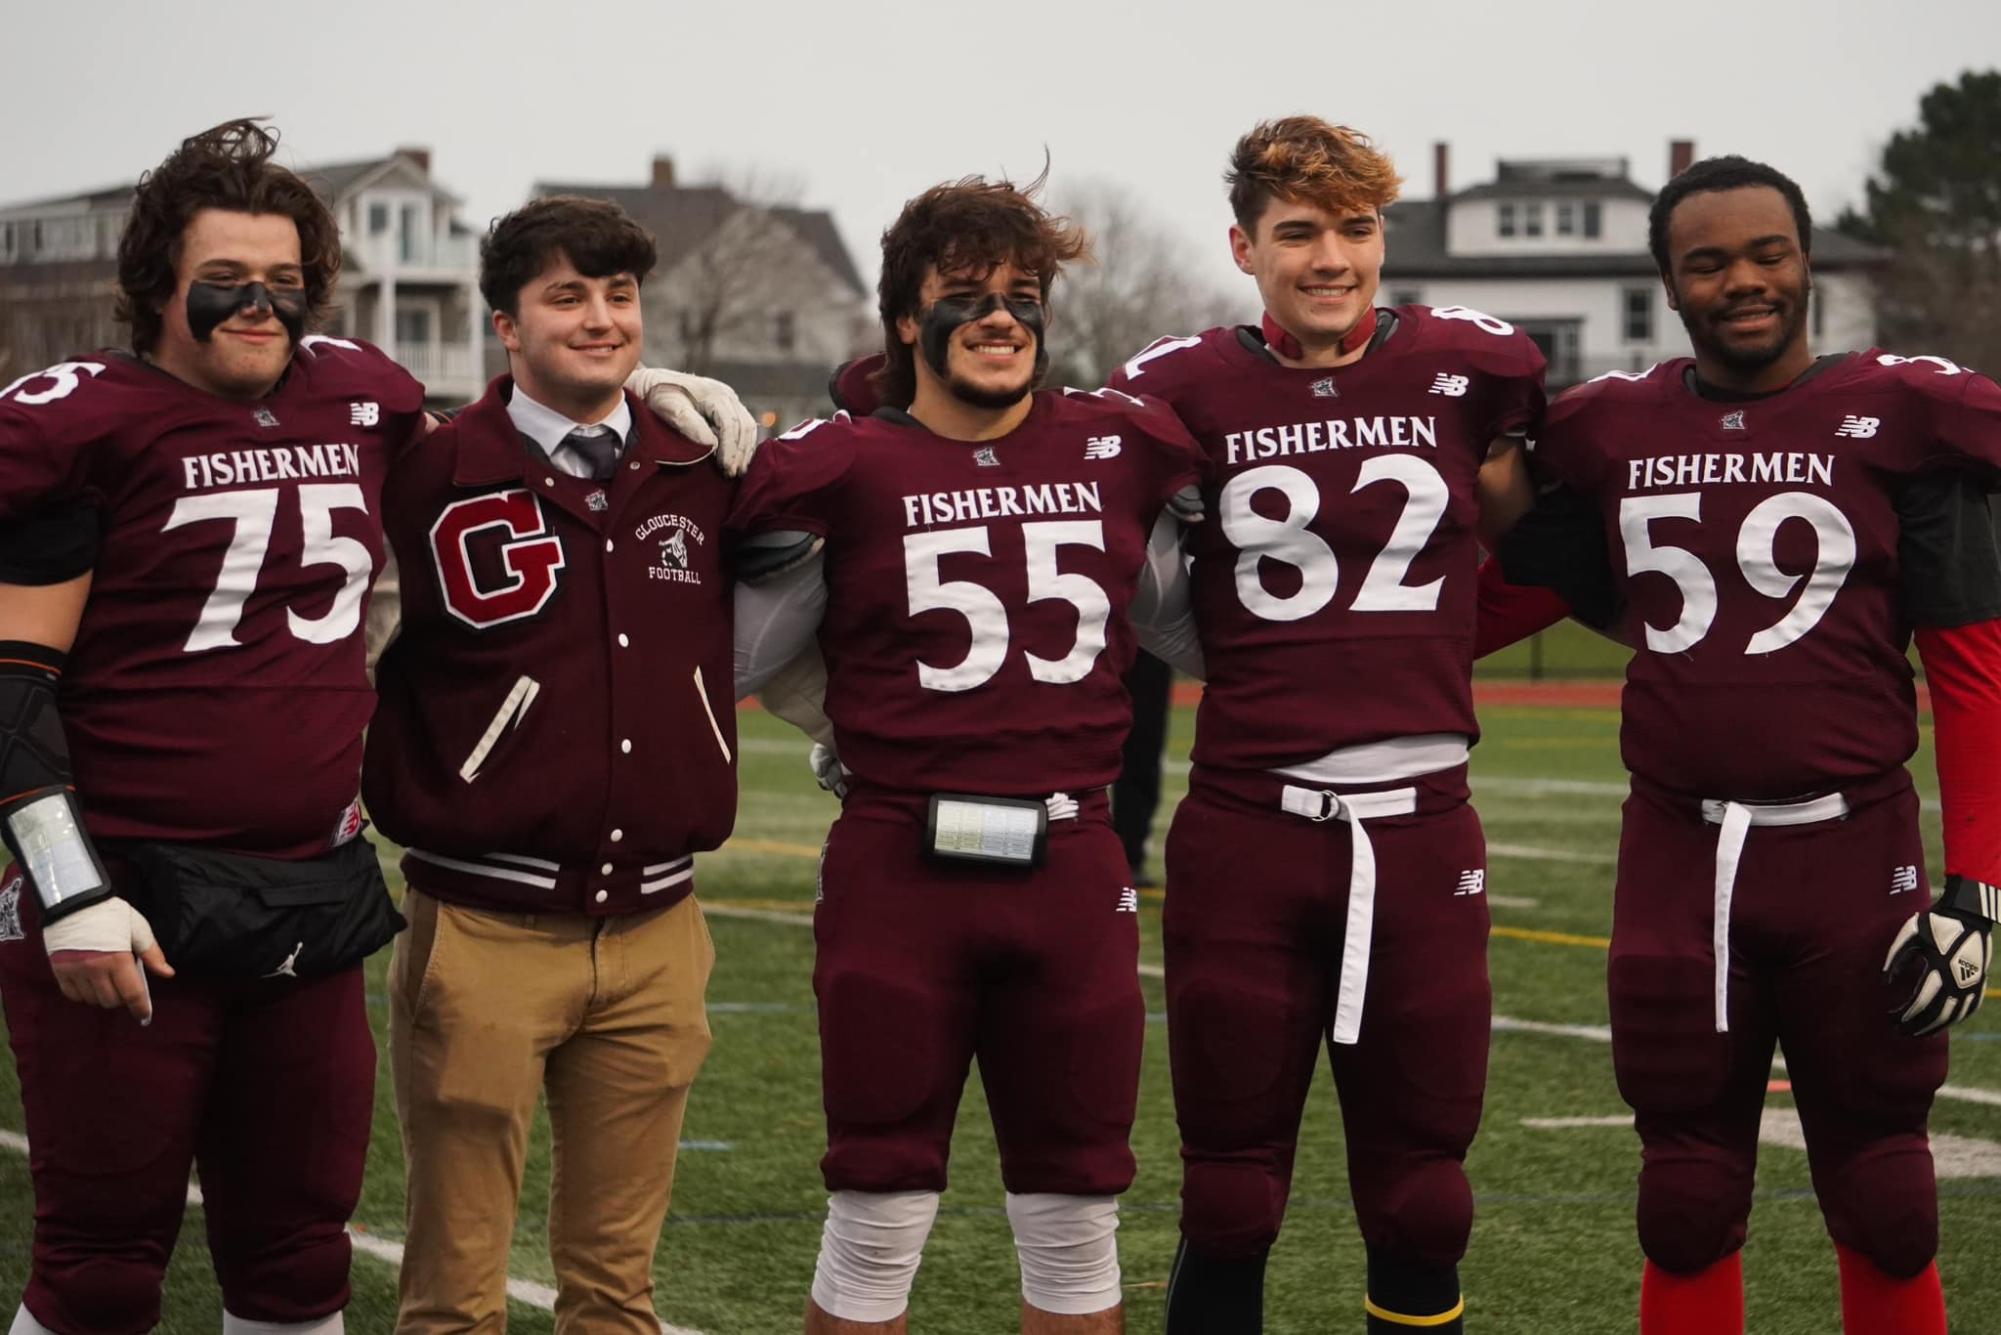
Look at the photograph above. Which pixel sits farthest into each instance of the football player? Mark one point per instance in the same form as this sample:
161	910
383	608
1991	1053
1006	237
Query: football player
981	545
188	540
1777	523
1325	873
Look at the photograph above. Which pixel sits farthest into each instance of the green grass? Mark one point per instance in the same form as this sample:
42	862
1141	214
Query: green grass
1553	1251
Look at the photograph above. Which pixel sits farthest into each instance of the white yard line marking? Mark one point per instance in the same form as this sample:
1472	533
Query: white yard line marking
1503	1024
526	1291
1535	853
1512	901
1953	1157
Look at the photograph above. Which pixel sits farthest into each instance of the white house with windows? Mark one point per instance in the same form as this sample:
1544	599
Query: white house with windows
409	276
1558	247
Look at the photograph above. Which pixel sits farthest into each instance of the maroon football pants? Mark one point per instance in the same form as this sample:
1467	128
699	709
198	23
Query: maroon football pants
268	1086
923	966
1257	903
1814	912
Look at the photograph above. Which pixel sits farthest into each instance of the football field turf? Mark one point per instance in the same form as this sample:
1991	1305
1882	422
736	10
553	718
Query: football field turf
1553	1251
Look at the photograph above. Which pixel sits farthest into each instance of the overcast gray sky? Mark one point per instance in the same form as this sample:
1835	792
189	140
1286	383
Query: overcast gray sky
859	105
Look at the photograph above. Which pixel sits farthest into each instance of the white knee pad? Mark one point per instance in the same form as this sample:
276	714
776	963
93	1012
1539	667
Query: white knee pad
1069	1252
233	1324
869	1252
25	1324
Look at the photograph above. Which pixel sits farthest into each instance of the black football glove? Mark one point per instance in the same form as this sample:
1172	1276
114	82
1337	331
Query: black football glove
1947	947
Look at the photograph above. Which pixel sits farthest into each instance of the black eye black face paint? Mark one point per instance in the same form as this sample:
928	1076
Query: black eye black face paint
209	304
942	319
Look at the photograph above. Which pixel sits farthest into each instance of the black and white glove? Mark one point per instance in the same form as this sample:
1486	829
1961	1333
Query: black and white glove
1947	947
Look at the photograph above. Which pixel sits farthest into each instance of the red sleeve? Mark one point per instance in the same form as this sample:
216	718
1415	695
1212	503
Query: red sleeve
1963	670
1512	612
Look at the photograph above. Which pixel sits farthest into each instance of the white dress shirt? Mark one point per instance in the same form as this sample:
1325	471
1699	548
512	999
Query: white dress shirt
549	428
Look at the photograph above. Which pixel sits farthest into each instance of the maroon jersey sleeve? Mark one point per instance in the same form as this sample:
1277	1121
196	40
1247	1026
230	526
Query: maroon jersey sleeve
1505	365
1960	411
51	423
794	480
1145	424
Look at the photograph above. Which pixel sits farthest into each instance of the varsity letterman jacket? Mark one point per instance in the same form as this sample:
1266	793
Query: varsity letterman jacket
556	727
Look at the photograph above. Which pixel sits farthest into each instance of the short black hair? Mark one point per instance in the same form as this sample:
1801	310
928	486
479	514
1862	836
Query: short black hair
599	237
1725	173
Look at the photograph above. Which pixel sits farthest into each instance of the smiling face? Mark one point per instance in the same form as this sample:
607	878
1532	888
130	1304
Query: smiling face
572	340
1316	268
978	336
216	332
1738	278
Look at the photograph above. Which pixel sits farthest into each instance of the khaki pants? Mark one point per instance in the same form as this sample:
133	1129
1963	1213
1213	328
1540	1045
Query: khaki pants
487	1010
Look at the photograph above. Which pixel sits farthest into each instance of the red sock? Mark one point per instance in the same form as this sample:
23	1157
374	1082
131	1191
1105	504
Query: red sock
1872	1303
1709	1302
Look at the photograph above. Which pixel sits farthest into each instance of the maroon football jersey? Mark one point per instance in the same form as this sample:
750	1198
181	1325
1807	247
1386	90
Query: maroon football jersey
216	693
1755	546
975	632
1333	583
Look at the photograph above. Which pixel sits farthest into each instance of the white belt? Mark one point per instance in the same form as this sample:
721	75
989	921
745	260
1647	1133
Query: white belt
1737	818
1320	804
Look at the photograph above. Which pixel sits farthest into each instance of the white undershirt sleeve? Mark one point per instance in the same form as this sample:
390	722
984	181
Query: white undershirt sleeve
1163	615
777	646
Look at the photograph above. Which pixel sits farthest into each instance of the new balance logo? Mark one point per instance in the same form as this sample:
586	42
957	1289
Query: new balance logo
364	413
1128	901
985	457
1903	879
1859	428
1472	882
1102	447
1452	386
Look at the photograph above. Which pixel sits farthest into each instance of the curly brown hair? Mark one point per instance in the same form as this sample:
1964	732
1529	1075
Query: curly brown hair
600	238
970	225
228	167
1308	160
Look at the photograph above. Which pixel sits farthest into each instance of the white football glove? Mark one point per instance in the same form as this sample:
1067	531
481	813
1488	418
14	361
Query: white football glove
827	769
110	924
706	411
1947	946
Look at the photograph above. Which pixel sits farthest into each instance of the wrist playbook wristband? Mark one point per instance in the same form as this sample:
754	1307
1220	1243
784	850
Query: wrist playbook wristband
45	832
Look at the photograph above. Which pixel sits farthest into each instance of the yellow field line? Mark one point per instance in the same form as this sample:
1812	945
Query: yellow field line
1552	938
780	848
776	847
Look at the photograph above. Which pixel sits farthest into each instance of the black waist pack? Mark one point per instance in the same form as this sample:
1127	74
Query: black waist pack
232	915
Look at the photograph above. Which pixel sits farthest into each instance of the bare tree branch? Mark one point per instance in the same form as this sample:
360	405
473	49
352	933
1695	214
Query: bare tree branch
1142	285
